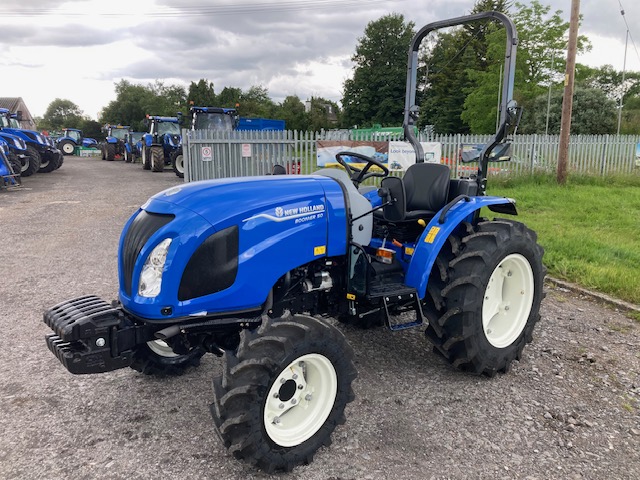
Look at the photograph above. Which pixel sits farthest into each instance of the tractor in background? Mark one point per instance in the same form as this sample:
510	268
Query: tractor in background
42	155
160	142
205	118
133	146
113	146
72	138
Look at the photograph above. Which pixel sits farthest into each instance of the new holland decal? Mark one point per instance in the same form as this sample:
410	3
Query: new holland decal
297	214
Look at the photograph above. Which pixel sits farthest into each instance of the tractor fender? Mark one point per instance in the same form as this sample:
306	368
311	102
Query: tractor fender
113	140
435	234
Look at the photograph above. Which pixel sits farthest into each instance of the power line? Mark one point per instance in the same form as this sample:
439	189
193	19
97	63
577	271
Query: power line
200	10
628	29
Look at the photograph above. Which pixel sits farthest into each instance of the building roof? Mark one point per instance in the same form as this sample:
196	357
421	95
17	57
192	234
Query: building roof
15	104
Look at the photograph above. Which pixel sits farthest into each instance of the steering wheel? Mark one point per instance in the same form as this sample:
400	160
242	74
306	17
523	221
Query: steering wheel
358	175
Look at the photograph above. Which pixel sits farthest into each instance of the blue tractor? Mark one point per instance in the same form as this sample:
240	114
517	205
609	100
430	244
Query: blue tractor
42	155
113	146
206	118
9	170
72	138
160	142
133	146
249	268
16	152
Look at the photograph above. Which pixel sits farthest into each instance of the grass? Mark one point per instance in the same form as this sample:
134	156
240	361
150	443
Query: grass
589	228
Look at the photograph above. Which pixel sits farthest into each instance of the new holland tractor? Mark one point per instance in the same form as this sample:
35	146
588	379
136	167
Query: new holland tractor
162	140
252	269
42	156
205	118
72	138
113	146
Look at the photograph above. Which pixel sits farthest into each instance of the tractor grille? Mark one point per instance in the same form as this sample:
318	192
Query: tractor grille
144	225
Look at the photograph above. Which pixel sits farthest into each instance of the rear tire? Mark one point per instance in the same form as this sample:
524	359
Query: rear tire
493	286
33	164
283	392
67	147
157	159
177	160
157	358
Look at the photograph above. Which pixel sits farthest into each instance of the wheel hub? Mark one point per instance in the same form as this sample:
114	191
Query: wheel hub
300	400
507	300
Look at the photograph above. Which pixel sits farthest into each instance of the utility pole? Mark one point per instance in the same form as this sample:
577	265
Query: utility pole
624	70
567	100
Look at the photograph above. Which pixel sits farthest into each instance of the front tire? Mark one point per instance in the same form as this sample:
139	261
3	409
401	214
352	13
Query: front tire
110	149
157	159
33	162
283	392
67	147
177	160
158	358
490	301
146	158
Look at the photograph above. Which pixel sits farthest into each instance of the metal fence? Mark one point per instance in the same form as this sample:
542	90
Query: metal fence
211	154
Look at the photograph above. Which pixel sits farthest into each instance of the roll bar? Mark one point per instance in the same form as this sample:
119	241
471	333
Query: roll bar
507	114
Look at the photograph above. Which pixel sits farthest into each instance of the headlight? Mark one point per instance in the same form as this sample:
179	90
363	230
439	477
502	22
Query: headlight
151	276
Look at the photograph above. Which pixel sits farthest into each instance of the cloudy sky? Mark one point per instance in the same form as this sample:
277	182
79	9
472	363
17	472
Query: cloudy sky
78	49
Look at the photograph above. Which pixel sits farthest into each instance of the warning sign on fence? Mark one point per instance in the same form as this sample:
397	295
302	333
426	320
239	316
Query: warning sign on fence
206	154
246	149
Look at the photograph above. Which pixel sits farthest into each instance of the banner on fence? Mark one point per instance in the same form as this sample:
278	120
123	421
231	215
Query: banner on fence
402	156
327	150
638	155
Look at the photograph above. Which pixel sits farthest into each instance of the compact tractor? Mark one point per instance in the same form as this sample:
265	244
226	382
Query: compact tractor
72	138
113	146
252	269
162	140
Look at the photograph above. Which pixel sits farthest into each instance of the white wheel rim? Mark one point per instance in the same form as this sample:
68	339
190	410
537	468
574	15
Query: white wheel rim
180	163
160	347
300	400
67	148
507	300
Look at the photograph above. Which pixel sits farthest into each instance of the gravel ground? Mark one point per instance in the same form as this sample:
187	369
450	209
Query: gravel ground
569	409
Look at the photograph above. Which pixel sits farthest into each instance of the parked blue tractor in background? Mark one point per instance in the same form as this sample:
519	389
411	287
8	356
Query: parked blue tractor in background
205	118
9	170
133	146
113	147
162	140
249	268
15	151
72	138
43	156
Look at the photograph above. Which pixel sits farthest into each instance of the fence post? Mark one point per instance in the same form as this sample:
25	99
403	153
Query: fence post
604	154
532	157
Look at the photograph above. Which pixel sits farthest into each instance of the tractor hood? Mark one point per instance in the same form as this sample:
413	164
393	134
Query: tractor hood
231	240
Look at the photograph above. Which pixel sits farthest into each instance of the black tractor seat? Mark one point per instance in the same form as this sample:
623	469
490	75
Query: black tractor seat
426	190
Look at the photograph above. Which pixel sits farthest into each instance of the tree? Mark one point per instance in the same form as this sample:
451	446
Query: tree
292	111
593	113
375	94
255	102
229	97
133	102
202	94
540	62
322	114
61	113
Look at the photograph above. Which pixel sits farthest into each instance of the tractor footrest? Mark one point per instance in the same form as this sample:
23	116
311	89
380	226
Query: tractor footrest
406	302
84	339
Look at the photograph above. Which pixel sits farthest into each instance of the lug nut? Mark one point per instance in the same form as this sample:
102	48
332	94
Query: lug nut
281	406
308	397
100	342
293	401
